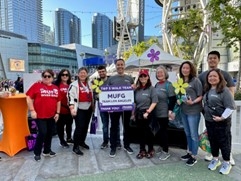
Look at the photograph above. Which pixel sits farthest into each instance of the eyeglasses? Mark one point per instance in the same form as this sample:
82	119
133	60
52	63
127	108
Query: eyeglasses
65	75
142	76
47	76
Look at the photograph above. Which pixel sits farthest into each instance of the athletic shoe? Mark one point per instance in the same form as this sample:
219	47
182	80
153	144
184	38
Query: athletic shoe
64	144
37	158
85	146
191	161
159	150
104	145
214	164
186	157
112	153
226	167
50	154
70	141
128	150
78	152
208	157
164	155
118	146
232	160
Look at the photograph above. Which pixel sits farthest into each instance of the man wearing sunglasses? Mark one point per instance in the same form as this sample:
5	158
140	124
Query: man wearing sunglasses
213	61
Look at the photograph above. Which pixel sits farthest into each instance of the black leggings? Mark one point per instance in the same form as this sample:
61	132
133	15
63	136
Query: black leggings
219	135
65	120
162	134
82	121
145	134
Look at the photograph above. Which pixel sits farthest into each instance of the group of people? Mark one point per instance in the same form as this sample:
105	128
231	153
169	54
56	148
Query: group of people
63	101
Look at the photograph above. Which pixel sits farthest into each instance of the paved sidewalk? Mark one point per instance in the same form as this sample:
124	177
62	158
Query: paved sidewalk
67	166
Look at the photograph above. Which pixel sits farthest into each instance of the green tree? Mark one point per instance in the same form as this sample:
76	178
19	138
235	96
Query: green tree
139	48
186	32
225	15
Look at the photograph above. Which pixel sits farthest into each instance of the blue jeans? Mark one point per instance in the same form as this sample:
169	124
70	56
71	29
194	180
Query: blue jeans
191	124
105	127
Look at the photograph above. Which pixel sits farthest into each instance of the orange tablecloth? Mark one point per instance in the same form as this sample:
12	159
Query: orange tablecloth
15	119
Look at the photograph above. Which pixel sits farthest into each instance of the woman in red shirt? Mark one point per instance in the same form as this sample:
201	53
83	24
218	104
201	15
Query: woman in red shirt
43	101
80	102
65	118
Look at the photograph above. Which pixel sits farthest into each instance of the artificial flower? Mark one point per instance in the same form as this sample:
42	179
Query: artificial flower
180	86
96	85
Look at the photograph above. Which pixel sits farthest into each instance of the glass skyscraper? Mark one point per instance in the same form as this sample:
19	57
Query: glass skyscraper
67	27
23	17
102	31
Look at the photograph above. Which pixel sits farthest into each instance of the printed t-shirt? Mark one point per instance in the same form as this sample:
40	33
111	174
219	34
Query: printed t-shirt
45	99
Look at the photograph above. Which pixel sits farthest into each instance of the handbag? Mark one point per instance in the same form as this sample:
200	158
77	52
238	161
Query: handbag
139	114
31	141
215	111
94	124
204	143
177	122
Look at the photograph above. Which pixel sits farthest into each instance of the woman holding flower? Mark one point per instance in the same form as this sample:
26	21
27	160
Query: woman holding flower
190	100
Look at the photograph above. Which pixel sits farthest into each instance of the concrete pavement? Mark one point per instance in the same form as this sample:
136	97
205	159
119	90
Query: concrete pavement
22	167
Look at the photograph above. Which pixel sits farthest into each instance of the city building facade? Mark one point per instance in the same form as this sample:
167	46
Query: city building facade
13	55
48	35
67	27
43	56
102	31
23	17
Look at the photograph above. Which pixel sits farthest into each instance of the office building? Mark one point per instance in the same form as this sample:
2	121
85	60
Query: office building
102	31
67	27
13	55
23	17
43	56
48	35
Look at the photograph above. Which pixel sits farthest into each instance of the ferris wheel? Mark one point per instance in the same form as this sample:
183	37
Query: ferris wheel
176	9
125	24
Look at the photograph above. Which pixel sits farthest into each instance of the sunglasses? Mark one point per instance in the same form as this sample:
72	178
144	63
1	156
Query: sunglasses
47	76
65	75
142	76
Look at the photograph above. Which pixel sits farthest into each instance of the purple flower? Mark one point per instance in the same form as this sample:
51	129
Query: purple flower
153	55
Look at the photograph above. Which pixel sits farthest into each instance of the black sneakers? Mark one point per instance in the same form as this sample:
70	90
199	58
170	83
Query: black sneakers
78	152
70	141
112	153
128	150
186	157
118	146
85	146
37	158
191	161
64	144
50	154
104	145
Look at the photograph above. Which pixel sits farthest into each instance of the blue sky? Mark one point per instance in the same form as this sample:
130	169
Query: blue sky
84	9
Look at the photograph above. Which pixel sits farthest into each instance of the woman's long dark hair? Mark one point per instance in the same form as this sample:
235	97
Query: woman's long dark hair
58	81
193	72
220	85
